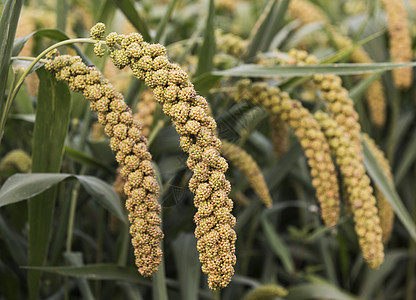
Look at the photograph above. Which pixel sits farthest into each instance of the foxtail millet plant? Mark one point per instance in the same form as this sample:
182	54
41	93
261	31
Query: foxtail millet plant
248	166
127	140
335	95
385	211
400	41
360	193
307	12
144	115
310	136
189	113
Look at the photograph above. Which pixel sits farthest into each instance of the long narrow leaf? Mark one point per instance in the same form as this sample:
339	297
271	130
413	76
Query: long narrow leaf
20	187
251	70
259	32
317	291
276	243
187	264
98	272
162	25
75	259
207	51
8	25
51	126
129	10
377	174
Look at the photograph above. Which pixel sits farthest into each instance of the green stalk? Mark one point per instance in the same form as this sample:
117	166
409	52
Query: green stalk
8	26
61	14
19	83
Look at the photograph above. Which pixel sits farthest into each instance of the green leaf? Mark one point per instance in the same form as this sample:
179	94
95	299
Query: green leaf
13	240
20	187
86	159
284	166
54	34
61	14
380	179
98	272
406	161
205	82
275	242
51	126
8	25
362	87
317	290
187	264
258	40
129	10
162	24
75	259
207	50
373	279
251	70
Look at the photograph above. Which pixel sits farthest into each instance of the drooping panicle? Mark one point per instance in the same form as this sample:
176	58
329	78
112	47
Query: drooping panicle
189	113
248	166
400	41
360	192
385	211
127	141
307	12
310	136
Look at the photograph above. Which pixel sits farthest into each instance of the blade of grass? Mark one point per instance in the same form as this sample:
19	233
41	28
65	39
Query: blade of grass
187	264
8	25
276	243
14	242
20	187
361	88
129	10
376	173
259	30
207	50
97	272
61	14
75	259
317	291
406	160
251	70
51	126
87	159
162	24
373	279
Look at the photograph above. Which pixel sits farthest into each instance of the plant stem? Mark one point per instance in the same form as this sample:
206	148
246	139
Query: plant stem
37	59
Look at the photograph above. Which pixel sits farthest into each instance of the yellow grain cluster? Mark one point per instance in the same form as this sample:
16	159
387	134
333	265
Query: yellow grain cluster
189	113
357	183
145	110
248	166
16	160
279	132
308	12
230	43
310	136
127	140
400	41
385	210
338	102
266	292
